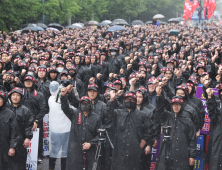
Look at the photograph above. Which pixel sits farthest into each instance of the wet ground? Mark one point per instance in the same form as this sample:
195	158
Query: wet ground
45	164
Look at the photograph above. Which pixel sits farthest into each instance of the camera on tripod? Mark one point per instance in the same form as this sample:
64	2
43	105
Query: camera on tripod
167	131
102	134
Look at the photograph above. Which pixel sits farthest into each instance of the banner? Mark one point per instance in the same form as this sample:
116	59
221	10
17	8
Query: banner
155	153
198	165
199	94
46	135
32	152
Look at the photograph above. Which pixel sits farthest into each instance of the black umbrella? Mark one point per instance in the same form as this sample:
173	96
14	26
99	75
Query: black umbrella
28	29
119	22
74	27
42	25
137	22
149	22
56	25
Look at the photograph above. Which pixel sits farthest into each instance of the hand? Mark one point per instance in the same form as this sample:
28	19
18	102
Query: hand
129	66
86	146
198	133
26	143
210	92
177	73
191	161
115	76
218	78
64	91
110	76
135	57
3	72
15	61
206	83
147	150
158	90
91	80
154	67
17	80
120	92
133	81
121	71
155	143
69	88
112	95
23	72
11	152
45	63
98	76
142	143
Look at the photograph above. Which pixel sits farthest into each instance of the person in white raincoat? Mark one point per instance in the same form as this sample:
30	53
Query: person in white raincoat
59	128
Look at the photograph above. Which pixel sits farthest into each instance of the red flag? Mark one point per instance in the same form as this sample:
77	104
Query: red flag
211	9
195	5
187	9
206	4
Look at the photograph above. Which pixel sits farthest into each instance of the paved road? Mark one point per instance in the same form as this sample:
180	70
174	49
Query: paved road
45	164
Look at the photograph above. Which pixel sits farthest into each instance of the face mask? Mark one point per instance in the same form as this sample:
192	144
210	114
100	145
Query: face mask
130	105
144	45
31	73
72	74
113	53
84	107
60	69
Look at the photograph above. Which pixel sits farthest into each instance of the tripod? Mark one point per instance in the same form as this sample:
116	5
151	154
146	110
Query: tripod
102	138
167	144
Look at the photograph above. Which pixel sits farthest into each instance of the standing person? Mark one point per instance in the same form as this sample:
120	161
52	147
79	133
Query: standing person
9	137
35	102
59	126
183	138
133	130
83	134
25	122
214	150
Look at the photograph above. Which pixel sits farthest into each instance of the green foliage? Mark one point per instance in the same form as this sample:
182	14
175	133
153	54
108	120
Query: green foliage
15	13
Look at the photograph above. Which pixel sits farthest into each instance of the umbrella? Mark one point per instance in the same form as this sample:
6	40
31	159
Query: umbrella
149	22
174	32
137	22
26	29
162	22
42	25
38	28
104	23
173	20
158	16
119	22
91	23
115	28
74	27
107	21
56	25
54	29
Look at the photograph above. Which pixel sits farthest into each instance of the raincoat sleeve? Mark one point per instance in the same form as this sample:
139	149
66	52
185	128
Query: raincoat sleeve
160	109
94	141
213	111
28	125
14	137
192	140
72	99
70	113
111	113
148	131
202	114
42	107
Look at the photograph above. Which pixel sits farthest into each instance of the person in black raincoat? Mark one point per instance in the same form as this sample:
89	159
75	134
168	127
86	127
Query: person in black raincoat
9	136
214	150
83	135
25	122
43	84
141	95
133	130
183	138
35	102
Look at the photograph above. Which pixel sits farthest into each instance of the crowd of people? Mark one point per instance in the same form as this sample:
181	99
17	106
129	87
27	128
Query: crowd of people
130	83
